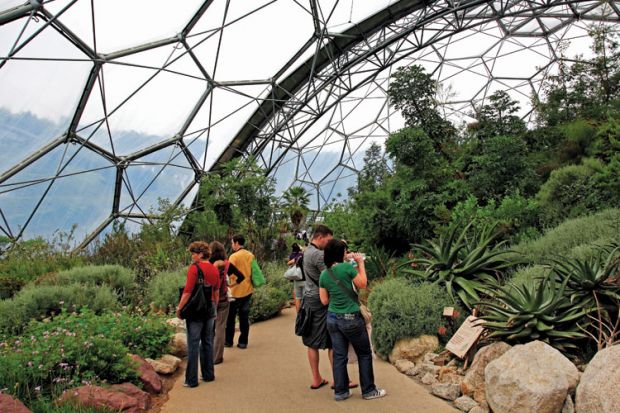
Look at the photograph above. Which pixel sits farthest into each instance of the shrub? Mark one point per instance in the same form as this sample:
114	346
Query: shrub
10	286
529	274
267	301
119	279
571	234
36	302
403	309
163	289
274	275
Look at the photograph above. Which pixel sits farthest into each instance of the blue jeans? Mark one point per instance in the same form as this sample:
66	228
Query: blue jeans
200	342
344	330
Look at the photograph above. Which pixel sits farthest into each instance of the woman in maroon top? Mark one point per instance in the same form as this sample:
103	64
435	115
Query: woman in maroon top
200	332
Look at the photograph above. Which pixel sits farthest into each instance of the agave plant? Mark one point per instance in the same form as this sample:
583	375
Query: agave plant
468	267
534	311
379	262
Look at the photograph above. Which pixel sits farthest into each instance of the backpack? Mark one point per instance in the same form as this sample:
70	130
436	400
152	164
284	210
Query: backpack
199	306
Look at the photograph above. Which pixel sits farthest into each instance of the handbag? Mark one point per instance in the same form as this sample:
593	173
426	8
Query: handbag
258	278
293	273
364	311
199	306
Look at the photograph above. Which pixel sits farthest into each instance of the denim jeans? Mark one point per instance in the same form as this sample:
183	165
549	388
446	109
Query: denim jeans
344	331
200	342
241	306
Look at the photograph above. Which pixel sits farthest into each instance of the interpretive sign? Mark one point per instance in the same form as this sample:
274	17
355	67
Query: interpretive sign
465	337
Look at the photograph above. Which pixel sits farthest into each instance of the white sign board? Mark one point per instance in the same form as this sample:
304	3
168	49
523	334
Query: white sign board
465	337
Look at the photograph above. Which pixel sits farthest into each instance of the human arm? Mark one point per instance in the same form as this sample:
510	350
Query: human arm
184	299
360	281
192	275
324	295
232	270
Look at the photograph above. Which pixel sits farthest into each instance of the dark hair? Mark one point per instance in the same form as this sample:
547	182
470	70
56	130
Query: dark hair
239	239
321	230
218	252
200	247
334	252
295	247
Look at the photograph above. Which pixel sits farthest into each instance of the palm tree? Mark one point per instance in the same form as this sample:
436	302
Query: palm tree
296	200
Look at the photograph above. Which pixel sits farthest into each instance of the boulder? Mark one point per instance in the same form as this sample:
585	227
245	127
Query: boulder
533	377
429	378
125	398
148	376
599	388
405	366
479	409
166	364
9	404
446	390
473	382
413	349
569	406
465	403
178	345
178	324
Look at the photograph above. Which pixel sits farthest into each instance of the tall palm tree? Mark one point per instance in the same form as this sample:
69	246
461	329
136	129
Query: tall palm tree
296	200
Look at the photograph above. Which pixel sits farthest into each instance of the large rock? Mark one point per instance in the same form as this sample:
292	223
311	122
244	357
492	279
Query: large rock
148	376
405	366
465	403
446	390
569	406
413	349
9	404
599	388
530	378
178	345
167	364
178	324
473	383
125	398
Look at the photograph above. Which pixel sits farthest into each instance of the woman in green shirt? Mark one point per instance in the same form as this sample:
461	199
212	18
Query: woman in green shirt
344	321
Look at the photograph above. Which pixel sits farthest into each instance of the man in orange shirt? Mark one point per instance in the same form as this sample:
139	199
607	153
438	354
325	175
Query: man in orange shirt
241	292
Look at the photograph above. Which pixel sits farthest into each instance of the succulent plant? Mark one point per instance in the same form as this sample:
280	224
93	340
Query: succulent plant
468	267
534	310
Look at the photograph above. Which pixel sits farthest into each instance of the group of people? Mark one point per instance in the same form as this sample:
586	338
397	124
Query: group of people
231	285
326	295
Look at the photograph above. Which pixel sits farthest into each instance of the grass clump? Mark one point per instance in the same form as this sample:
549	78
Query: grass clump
163	289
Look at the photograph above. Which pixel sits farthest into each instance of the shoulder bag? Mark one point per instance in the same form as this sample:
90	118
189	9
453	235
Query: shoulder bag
294	272
258	278
199	306
364	311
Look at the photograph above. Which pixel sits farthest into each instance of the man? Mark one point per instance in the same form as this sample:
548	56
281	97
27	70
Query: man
318	337
241	292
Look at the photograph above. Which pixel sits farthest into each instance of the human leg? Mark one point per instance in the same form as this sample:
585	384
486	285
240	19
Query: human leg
230	323
244	320
313	359
206	349
220	331
355	330
340	345
194	329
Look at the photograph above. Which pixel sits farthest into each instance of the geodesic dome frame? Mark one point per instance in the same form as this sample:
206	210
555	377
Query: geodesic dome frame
307	115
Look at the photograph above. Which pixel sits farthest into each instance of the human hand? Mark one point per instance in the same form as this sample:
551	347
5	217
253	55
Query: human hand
358	257
179	313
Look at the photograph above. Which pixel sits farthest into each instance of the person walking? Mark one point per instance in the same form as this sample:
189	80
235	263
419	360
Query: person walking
220	261
298	285
344	321
241	292
200	330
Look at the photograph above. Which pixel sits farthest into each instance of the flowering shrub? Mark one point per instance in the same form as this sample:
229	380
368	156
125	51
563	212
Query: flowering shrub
78	348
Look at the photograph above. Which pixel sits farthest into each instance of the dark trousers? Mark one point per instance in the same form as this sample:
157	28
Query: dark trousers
220	331
344	331
200	344
241	306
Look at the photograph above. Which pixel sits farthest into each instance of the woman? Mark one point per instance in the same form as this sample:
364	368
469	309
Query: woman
225	268
298	286
200	331
344	321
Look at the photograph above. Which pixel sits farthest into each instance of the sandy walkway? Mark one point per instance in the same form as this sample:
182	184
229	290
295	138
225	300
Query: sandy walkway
272	375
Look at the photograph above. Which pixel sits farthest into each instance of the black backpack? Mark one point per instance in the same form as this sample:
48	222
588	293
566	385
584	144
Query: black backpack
199	306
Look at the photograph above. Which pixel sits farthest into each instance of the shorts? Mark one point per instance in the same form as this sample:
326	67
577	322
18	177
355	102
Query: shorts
298	289
318	337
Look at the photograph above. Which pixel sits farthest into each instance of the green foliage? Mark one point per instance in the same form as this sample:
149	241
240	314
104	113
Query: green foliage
274	274
267	301
296	201
579	134
466	267
345	222
375	169
40	301
570	235
498	118
379	263
117	247
536	310
119	279
412	147
10	286
402	309
163	289
530	274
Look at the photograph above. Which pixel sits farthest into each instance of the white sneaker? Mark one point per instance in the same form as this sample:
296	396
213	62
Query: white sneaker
375	394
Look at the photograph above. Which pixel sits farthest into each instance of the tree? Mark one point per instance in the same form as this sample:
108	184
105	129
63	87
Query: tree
296	201
498	118
375	169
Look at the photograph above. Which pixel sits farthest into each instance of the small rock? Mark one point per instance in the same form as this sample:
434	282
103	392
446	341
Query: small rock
178	324
413	349
598	388
9	404
446	391
449	375
465	403
125	398
429	378
479	409
167	364
148	376
569	406
430	357
428	368
178	345
451	363
404	366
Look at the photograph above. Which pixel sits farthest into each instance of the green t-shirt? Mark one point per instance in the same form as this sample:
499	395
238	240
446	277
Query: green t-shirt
339	301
